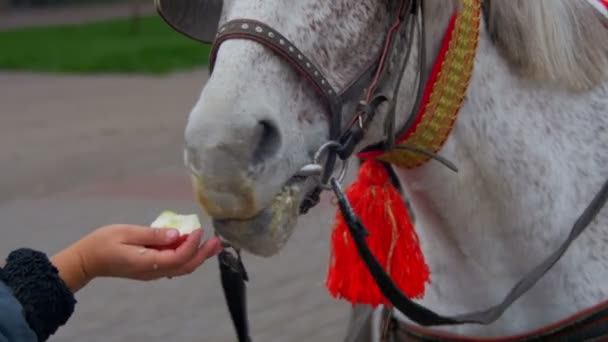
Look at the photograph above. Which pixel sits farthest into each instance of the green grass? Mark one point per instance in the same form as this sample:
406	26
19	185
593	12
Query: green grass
102	47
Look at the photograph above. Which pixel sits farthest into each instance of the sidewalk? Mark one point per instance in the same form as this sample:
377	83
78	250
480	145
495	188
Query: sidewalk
16	18
78	152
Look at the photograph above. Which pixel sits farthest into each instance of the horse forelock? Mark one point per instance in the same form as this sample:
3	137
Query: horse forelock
558	42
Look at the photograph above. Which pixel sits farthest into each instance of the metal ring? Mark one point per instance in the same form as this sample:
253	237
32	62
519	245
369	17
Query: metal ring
317	158
341	176
322	149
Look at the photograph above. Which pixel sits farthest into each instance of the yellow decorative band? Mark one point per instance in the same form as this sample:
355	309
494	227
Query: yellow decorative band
445	91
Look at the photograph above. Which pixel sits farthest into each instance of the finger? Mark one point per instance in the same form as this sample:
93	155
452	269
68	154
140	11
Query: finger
209	249
144	260
169	260
147	236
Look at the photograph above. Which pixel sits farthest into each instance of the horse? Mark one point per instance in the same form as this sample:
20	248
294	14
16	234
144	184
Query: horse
530	141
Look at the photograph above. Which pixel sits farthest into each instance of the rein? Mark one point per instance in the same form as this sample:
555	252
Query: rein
427	317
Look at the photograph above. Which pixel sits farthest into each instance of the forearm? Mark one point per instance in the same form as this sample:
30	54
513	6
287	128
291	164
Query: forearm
71	270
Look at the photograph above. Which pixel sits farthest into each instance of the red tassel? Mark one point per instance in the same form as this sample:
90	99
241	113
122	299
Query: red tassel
392	240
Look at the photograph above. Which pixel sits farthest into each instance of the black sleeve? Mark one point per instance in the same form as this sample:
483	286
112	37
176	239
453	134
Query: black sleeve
34	280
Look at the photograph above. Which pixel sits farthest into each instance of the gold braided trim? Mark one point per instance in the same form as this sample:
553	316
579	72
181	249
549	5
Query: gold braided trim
447	93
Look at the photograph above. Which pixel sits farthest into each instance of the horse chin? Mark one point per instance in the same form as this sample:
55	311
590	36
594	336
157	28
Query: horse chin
266	233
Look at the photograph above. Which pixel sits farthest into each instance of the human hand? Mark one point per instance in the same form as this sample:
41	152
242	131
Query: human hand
129	251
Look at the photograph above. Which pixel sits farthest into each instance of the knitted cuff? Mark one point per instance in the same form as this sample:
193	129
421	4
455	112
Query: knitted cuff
35	282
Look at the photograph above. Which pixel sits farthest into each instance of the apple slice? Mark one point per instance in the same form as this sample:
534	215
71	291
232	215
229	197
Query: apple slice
185	224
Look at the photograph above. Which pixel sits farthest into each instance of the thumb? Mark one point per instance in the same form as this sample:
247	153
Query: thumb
150	236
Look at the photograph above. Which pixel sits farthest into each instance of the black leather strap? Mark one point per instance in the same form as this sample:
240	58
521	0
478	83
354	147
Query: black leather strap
590	325
234	276
428	317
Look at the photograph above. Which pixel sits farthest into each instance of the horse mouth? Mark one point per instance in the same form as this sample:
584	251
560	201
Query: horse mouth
267	232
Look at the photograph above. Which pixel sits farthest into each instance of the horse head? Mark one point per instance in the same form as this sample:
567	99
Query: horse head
258	122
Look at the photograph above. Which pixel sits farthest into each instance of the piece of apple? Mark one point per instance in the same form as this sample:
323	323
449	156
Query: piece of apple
185	224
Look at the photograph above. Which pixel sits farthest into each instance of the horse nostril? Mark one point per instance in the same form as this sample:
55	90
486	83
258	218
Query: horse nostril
269	142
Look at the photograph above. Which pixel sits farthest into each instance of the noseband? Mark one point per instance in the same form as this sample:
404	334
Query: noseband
344	136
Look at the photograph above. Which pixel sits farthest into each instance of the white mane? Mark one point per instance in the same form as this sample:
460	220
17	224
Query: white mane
562	42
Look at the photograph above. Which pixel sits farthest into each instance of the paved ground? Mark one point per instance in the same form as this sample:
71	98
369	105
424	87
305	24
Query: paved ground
79	152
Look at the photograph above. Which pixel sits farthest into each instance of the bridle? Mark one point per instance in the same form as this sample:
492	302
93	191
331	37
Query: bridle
367	91
343	135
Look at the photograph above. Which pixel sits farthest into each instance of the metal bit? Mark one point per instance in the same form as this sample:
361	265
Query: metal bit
310	170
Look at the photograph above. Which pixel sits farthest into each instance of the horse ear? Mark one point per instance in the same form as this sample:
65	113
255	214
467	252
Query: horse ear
196	19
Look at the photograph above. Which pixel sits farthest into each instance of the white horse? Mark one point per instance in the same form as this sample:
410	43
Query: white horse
530	142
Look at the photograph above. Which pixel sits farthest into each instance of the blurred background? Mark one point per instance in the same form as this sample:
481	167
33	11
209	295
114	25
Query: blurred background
94	97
